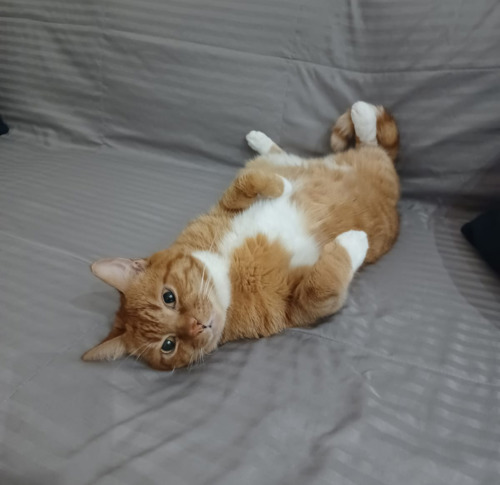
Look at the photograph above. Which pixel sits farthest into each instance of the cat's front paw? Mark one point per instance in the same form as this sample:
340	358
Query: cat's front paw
259	142
356	245
364	118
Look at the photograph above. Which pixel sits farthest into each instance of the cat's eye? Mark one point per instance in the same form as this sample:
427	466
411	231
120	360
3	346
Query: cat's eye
168	298
168	345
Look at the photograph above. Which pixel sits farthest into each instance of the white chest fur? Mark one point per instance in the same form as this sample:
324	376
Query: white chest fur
279	220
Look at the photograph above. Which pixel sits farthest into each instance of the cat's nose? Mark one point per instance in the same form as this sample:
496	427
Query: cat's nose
195	327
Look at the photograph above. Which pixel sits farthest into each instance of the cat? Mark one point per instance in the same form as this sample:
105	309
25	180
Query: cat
278	250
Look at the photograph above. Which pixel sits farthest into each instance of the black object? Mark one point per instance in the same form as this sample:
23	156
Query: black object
483	233
3	127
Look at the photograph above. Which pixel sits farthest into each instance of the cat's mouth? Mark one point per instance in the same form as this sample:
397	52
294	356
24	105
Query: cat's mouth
215	326
209	323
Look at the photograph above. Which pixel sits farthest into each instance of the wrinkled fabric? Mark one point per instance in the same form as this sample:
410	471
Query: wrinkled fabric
128	119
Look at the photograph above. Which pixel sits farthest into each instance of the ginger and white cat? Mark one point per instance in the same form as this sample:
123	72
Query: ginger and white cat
278	250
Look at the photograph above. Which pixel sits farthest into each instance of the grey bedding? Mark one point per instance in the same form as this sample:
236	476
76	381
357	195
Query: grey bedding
128	118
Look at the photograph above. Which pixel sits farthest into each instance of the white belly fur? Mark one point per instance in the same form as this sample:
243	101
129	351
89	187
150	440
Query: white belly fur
279	220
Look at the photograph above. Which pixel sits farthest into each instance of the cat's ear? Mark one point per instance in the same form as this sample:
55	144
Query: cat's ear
107	350
118	272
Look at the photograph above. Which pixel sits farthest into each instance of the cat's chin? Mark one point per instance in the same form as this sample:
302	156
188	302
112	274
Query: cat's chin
217	320
217	327
211	347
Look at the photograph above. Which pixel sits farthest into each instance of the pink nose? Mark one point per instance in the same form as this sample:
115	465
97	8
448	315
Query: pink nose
195	327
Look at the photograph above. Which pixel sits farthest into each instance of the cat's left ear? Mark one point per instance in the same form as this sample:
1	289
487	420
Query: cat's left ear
108	350
118	272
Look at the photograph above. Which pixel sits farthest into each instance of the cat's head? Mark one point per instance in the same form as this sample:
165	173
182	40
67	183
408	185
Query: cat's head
169	315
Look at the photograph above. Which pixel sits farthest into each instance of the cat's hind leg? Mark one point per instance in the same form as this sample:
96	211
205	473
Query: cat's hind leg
322	288
261	143
364	118
272	153
375	126
365	124
343	133
357	124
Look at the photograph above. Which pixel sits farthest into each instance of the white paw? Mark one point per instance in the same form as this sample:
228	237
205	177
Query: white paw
364	118
259	142
356	245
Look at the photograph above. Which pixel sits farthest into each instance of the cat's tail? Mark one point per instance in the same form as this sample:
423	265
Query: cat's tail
366	124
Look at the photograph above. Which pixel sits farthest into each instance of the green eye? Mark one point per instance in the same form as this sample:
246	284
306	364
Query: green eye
168	298
168	345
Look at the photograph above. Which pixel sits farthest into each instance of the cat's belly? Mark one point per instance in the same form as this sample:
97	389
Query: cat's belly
271	236
279	220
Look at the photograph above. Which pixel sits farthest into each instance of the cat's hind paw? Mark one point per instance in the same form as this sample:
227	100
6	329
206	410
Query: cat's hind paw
259	142
356	245
364	118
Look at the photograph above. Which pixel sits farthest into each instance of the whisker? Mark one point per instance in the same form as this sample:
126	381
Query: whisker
195	358
132	354
204	288
203	282
202	277
209	289
190	364
204	267
152	345
212	244
201	357
146	347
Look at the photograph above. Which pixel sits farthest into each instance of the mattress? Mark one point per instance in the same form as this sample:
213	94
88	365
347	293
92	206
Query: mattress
128	119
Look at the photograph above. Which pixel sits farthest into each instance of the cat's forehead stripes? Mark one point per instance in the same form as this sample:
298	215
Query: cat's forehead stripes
151	312
181	271
150	321
176	269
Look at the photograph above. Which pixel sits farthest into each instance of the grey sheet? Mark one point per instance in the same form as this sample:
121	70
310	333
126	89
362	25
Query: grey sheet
127	120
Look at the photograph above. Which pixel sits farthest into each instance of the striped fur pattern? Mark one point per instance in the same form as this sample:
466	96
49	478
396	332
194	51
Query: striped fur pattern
278	250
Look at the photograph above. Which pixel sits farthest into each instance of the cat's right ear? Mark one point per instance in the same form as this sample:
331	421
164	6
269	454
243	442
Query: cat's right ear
118	272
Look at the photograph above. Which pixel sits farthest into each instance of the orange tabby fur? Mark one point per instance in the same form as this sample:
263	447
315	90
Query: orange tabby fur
357	189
